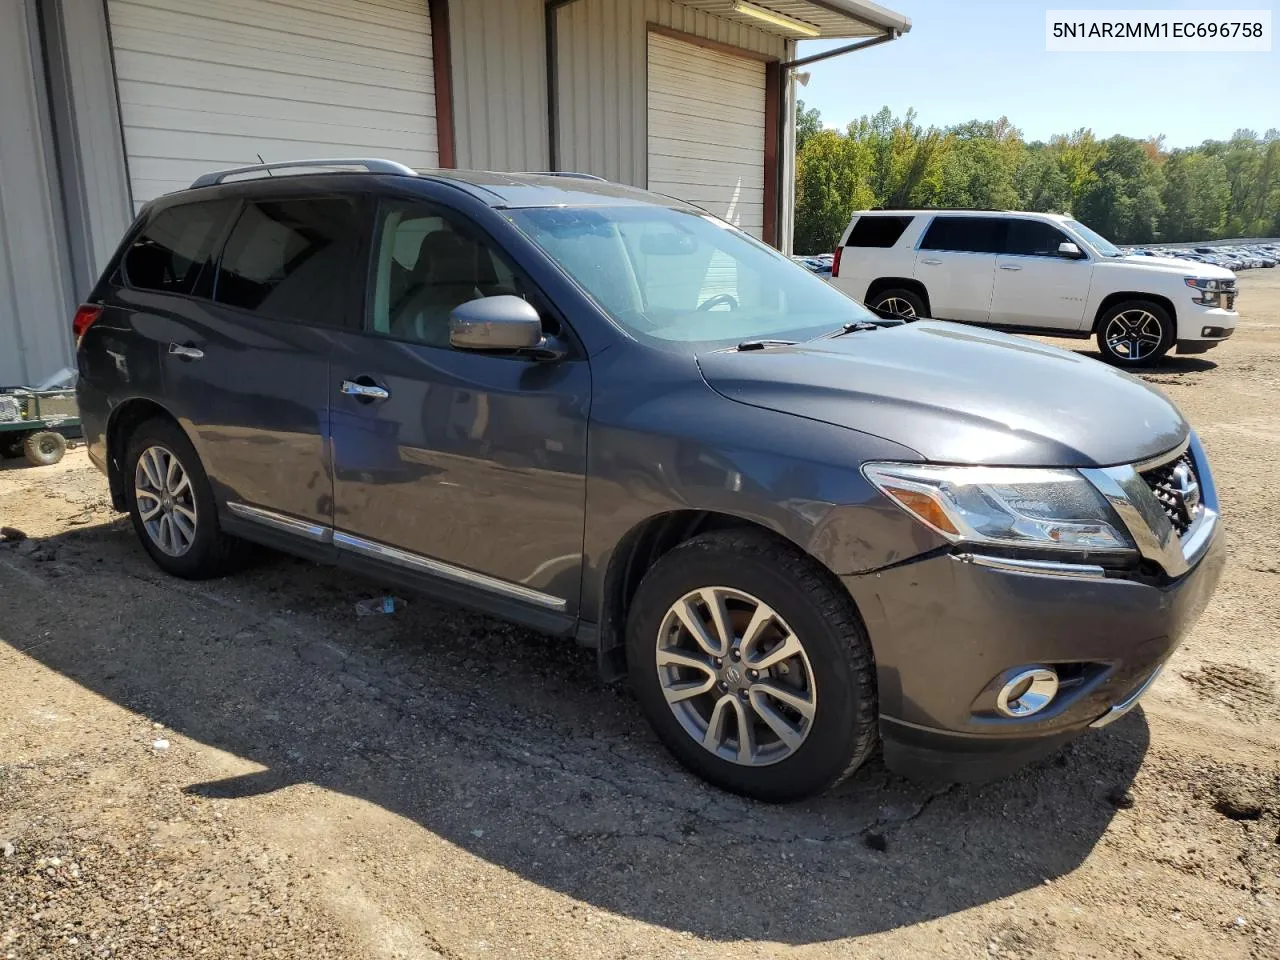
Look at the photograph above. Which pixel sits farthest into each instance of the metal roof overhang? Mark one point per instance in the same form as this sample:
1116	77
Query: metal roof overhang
834	19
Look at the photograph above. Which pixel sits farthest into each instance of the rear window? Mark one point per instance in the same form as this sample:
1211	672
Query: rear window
877	231
965	234
169	252
290	259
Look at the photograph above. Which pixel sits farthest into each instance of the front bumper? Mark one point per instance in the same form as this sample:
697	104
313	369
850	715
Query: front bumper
948	630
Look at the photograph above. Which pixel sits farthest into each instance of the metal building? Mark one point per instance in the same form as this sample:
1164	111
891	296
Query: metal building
105	104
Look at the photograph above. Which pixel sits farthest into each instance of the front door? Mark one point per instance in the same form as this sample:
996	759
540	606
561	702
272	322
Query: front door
956	262
1035	285
464	467
246	360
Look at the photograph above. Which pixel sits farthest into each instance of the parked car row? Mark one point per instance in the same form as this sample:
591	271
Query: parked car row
1235	258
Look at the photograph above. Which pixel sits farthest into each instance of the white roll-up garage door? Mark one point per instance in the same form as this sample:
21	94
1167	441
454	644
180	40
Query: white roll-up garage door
706	130
204	86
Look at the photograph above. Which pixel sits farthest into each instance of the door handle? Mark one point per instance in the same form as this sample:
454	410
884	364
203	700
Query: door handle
932	263
365	392
186	352
1009	266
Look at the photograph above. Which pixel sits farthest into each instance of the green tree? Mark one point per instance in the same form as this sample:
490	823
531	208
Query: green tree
1195	196
830	185
808	122
1122	200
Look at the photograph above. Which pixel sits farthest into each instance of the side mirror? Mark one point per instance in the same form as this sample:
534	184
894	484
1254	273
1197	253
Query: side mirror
1068	249
495	323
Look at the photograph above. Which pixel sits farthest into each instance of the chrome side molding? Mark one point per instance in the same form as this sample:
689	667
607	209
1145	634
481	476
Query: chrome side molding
1120	709
401	558
446	571
1043	568
281	521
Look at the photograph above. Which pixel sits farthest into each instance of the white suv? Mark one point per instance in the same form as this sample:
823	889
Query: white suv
1034	273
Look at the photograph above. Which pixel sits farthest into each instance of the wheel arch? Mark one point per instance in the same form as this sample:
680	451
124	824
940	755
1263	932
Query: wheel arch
642	547
125	417
881	284
1121	296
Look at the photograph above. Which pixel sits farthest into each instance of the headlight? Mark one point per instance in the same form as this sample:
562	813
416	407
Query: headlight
1202	284
1004	506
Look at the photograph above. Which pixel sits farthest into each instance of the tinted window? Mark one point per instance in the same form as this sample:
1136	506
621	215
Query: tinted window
169	252
427	265
968	234
877	231
290	259
1033	238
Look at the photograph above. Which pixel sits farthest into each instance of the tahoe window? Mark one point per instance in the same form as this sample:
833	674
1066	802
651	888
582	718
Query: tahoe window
426	265
1034	238
878	231
171	250
965	235
290	259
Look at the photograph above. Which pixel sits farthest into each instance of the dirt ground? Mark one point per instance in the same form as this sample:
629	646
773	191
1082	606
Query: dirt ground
242	768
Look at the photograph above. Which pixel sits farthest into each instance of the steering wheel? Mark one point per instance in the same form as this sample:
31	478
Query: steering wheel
719	298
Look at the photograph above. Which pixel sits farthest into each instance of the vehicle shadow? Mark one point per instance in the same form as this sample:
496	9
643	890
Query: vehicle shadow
504	743
1169	363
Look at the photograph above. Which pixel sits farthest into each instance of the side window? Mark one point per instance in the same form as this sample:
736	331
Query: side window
171	250
965	235
1033	238
878	231
425	266
290	259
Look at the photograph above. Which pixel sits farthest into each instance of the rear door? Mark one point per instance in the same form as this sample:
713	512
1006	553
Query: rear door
956	262
1035	285
466	468
247	365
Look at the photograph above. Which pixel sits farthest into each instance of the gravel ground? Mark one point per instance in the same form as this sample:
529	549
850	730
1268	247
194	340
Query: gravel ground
242	768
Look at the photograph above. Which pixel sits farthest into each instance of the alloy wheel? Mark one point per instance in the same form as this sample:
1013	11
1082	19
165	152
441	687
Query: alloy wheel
736	676
898	307
1134	334
166	500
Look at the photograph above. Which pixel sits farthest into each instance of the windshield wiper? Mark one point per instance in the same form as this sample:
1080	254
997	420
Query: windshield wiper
854	327
764	344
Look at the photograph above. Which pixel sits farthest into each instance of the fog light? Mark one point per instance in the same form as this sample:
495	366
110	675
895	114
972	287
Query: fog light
1028	692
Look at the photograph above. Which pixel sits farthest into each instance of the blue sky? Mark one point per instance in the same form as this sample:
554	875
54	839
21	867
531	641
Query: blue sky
979	59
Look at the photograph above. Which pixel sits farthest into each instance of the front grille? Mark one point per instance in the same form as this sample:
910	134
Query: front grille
1176	486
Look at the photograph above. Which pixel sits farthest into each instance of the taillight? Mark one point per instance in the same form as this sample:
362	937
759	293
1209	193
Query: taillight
835	263
86	314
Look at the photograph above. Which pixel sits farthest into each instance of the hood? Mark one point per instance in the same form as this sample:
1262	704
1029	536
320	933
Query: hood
1187	268
958	394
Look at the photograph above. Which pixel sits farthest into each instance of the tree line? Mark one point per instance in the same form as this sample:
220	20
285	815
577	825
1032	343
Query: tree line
1131	191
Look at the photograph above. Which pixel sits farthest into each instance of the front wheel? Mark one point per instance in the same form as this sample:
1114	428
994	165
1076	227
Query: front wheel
1136	333
753	666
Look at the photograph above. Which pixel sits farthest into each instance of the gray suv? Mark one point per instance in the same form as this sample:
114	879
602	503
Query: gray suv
800	531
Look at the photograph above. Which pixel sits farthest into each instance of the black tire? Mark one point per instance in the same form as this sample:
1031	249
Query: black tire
884	305
44	448
211	552
1152	320
821	615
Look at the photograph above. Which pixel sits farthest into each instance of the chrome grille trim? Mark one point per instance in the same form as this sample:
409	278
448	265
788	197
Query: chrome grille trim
1141	513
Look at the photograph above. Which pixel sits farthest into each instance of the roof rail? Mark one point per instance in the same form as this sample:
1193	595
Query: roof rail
372	165
563	173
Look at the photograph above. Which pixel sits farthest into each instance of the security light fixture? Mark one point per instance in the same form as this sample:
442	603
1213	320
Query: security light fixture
777	19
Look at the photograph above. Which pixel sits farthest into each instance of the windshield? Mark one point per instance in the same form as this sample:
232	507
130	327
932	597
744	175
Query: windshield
1099	243
678	276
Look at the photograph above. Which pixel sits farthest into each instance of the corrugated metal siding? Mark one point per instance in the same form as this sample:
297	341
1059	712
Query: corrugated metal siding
35	306
205	86
706	130
603	78
499	84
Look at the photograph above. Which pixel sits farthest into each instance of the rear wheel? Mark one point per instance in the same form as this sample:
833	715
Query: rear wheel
753	667
44	448
1136	333
172	506
897	302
